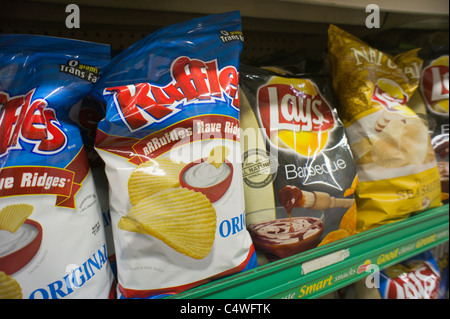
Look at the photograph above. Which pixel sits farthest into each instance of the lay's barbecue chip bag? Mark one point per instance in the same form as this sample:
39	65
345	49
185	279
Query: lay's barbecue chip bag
299	174
52	235
397	169
170	142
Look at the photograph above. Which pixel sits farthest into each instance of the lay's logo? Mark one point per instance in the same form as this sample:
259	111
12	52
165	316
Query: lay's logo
389	94
194	81
295	115
419	283
29	120
435	86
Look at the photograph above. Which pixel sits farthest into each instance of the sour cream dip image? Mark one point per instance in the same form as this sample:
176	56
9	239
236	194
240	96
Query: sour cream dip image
206	178
17	249
206	175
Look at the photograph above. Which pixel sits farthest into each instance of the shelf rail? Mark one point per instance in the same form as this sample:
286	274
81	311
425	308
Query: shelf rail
324	269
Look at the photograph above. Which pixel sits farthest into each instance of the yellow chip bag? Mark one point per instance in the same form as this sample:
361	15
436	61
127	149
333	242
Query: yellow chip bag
391	144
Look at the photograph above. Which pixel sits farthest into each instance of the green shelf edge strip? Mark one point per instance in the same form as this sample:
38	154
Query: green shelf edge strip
383	246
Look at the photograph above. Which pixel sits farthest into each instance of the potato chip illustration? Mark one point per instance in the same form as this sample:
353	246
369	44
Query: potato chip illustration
183	219
386	152
348	221
351	190
334	236
415	141
9	287
361	150
13	216
152	176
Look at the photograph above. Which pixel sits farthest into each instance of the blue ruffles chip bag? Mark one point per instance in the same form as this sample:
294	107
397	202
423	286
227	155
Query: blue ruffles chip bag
170	143
52	237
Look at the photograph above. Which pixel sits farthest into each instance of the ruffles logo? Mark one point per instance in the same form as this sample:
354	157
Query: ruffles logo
29	120
194	81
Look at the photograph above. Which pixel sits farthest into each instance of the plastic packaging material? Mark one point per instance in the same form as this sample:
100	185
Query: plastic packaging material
52	236
434	90
170	143
440	254
87	113
396	165
415	278
299	173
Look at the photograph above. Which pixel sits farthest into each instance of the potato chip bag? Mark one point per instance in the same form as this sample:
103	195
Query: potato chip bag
52	235
434	90
170	143
397	169
299	173
87	114
418	277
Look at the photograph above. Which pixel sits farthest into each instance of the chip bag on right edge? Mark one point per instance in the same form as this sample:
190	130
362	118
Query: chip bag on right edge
396	165
434	89
415	278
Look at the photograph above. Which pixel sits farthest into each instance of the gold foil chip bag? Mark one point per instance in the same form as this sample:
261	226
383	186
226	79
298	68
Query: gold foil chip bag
390	143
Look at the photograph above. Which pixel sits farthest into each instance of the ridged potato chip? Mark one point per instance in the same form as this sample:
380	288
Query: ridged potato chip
13	216
152	176
9	287
182	218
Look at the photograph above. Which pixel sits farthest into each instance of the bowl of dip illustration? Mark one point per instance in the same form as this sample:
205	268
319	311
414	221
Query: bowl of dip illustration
206	178
18	248
284	236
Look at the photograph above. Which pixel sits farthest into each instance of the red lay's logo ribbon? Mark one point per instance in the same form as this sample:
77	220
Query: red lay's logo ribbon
435	86
419	283
389	94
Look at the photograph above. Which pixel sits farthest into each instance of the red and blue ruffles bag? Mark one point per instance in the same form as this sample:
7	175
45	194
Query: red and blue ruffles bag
170	143
52	236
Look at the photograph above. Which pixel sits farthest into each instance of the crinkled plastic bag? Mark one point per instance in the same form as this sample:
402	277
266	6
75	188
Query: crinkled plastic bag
396	165
170	143
52	235
299	173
